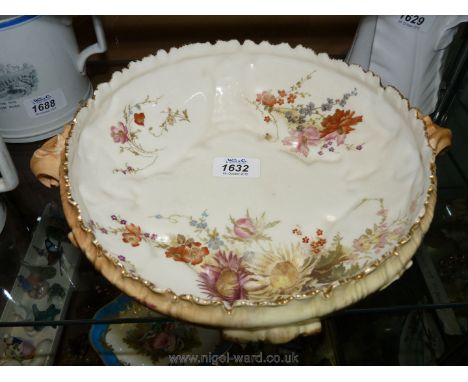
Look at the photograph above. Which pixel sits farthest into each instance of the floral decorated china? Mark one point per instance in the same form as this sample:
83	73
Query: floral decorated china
252	187
41	292
162	342
20	351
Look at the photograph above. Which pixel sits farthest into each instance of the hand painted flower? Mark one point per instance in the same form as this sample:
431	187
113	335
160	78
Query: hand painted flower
132	235
165	341
395	235
266	98
382	212
119	133
279	272
362	244
302	139
226	278
338	125
244	228
139	118
291	98
386	236
191	252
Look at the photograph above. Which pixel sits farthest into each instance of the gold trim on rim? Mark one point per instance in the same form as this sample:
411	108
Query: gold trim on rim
325	291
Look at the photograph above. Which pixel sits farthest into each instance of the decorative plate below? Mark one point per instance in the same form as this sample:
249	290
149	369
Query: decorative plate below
41	292
248	174
162	342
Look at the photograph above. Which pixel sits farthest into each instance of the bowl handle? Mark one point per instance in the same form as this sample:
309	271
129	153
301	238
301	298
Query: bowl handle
45	162
440	138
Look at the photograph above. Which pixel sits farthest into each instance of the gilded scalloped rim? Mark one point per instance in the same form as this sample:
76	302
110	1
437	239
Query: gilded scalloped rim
162	55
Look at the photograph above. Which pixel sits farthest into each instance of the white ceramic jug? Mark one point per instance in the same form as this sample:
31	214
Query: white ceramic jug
42	76
8	178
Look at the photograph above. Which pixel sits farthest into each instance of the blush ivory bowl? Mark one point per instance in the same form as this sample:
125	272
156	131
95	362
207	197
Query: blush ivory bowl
253	188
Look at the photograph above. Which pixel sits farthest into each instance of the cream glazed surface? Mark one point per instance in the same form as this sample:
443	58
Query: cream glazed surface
242	172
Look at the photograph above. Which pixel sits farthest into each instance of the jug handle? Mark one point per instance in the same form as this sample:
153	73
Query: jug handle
9	176
99	47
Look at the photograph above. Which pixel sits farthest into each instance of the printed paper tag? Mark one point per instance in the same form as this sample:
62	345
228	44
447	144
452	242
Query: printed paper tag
45	104
236	167
420	23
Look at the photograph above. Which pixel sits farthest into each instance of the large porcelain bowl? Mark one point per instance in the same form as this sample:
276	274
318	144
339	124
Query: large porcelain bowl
251	187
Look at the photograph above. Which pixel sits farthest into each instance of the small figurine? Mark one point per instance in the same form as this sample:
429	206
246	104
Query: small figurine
52	251
16	348
44	315
34	286
44	273
56	291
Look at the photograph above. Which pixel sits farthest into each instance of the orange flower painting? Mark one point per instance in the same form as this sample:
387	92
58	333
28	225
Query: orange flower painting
189	251
340	122
132	235
322	126
139	118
